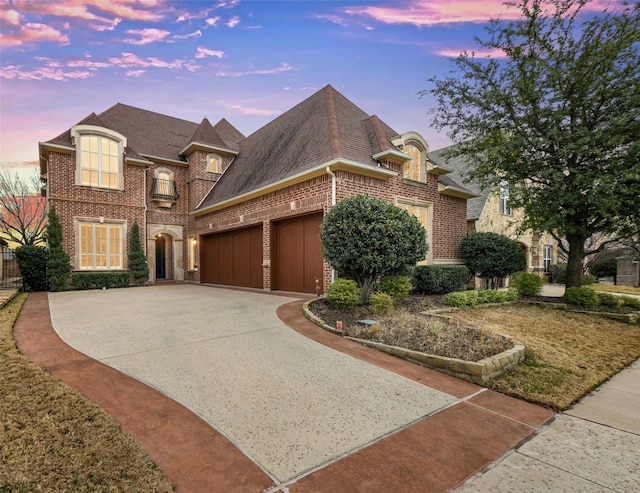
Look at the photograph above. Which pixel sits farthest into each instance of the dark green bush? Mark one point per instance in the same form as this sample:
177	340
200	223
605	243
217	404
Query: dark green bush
343	293
472	298
629	301
59	263
439	279
137	261
99	280
397	287
609	299
558	273
492	256
604	265
32	262
581	296
381	303
527	284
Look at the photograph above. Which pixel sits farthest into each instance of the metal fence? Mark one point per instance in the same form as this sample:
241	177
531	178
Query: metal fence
11	277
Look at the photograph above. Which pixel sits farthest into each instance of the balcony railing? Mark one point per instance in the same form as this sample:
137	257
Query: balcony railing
164	190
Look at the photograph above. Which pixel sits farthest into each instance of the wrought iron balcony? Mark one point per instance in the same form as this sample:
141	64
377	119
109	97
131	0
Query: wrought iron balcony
164	190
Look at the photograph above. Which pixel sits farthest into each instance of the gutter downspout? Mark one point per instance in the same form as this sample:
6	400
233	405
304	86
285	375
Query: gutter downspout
333	202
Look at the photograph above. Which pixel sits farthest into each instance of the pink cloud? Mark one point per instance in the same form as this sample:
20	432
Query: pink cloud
205	52
9	16
33	32
233	22
140	10
194	34
148	35
130	60
47	72
424	13
135	73
213	21
253	111
285	67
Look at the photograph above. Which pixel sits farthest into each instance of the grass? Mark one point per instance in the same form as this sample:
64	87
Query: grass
567	354
53	439
610	288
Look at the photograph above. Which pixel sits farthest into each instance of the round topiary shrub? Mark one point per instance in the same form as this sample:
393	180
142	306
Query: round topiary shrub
381	303
343	294
527	284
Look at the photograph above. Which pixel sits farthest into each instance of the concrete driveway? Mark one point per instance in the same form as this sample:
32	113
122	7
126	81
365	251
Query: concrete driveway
290	404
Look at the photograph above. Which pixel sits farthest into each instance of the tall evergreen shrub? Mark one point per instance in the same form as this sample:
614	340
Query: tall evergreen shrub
59	263
138	266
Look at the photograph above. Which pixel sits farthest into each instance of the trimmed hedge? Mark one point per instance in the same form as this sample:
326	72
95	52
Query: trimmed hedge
439	279
99	280
473	298
527	283
32	263
397	287
343	293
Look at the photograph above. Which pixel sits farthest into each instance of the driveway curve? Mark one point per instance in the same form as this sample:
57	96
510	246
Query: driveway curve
290	404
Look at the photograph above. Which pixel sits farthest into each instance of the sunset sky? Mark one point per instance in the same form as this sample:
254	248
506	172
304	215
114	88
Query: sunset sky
245	60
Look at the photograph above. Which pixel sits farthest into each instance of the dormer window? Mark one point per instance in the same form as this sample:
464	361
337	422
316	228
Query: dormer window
99	157
505	208
214	163
414	169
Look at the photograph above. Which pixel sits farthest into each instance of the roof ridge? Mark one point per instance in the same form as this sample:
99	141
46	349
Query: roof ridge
379	133
336	149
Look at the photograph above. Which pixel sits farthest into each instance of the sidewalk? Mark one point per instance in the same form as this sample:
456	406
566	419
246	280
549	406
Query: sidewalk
592	447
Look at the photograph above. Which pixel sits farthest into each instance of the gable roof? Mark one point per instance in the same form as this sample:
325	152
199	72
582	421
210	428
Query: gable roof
323	128
459	166
152	134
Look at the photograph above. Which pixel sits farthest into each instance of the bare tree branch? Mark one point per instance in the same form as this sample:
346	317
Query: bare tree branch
23	211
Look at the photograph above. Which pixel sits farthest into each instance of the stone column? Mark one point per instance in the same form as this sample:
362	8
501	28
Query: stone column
628	271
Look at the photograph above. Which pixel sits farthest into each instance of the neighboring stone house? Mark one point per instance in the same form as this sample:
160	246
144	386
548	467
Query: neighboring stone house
217	207
490	211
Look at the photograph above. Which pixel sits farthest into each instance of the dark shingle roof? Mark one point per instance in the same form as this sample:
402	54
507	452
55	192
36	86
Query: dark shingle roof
324	127
152	134
458	166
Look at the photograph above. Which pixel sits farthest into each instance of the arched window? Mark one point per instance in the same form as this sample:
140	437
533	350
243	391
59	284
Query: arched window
99	157
214	163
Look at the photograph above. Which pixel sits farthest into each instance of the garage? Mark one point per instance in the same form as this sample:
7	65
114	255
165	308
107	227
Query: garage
297	254
232	258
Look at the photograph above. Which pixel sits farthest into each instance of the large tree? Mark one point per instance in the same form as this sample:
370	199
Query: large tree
366	238
556	114
23	211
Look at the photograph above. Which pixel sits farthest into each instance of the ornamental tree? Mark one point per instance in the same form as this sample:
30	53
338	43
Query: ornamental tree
366	238
556	115
492	256
59	262
137	261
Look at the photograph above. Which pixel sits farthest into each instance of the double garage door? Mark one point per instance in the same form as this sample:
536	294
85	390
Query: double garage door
235	257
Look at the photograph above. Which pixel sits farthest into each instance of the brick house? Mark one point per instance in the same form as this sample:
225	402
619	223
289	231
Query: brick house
217	207
490	211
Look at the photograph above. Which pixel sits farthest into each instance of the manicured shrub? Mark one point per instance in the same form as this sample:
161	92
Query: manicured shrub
609	299
605	265
99	280
461	298
527	284
137	261
59	263
397	287
558	273
629	301
492	256
381	303
368	238
581	296
343	293
439	279
32	263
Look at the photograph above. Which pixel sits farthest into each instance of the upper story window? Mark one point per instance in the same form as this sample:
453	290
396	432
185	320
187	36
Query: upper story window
414	169
214	163
99	157
505	208
547	257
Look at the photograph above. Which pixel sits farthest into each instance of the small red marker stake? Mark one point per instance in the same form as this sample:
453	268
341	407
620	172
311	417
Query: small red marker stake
339	325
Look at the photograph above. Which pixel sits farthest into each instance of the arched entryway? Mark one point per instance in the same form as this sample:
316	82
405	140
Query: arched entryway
161	258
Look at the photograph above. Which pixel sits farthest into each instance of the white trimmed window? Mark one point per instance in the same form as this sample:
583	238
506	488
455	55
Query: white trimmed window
214	163
414	169
100	245
505	208
99	157
547	257
424	212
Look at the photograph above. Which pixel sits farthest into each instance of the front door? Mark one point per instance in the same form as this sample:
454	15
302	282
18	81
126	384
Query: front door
161	257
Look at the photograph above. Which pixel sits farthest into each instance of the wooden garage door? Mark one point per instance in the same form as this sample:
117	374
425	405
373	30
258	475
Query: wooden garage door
298	254
233	258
